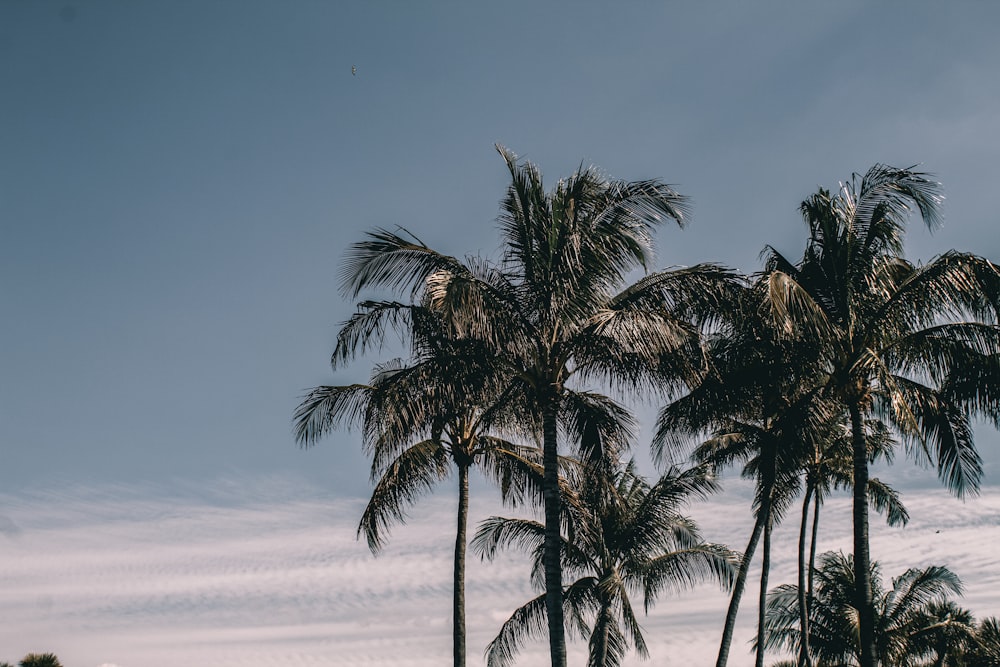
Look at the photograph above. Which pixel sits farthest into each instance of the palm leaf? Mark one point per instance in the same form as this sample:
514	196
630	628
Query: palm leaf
326	407
415	472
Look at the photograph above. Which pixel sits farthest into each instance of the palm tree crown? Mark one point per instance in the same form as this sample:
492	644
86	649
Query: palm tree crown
624	538
905	613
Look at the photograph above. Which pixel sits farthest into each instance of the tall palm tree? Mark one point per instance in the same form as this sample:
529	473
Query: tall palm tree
557	311
889	333
828	467
625	538
438	412
759	406
904	613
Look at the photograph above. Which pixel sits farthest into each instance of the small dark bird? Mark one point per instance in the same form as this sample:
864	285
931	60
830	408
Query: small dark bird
354	70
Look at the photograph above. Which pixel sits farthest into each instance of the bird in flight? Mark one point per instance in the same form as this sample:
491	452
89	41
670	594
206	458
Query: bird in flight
354	70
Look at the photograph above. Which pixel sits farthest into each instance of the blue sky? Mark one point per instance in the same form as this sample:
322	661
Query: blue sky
178	181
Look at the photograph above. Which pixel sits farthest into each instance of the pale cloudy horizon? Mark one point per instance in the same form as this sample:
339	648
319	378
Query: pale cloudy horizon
262	572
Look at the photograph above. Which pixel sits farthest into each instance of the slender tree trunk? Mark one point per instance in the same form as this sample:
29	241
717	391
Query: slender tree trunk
599	641
862	556
804	660
458	630
553	568
738	586
812	548
765	571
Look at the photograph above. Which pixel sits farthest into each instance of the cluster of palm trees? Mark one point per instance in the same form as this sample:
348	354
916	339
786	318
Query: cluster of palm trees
805	374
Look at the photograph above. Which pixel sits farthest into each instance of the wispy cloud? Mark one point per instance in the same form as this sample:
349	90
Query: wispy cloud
262	573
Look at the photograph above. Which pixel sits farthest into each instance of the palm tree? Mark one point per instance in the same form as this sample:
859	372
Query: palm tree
550	312
828	467
758	405
888	333
421	420
903	613
986	650
625	538
40	660
948	635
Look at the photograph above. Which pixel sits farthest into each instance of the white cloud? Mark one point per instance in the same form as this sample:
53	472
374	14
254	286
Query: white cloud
279	579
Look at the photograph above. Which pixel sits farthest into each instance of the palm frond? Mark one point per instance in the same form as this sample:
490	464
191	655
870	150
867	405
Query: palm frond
397	261
683	569
885	500
946	436
369	326
415	472
795	309
498	532
632	628
326	407
527	622
516	470
887	197
599	427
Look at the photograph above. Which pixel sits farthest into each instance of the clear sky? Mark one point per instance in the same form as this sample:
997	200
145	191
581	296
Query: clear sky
178	181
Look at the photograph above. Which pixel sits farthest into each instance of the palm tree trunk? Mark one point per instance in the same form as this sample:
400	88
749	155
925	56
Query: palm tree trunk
553	568
599	641
458	629
862	556
804	660
765	571
738	586
812	548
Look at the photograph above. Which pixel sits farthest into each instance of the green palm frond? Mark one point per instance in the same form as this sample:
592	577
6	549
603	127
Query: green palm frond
700	294
954	286
684	569
944	435
795	309
975	385
498	532
412	474
480	302
599	427
527	622
516	470
939	350
325	408
369	326
397	261
915	589
885	500
632	629
986	650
